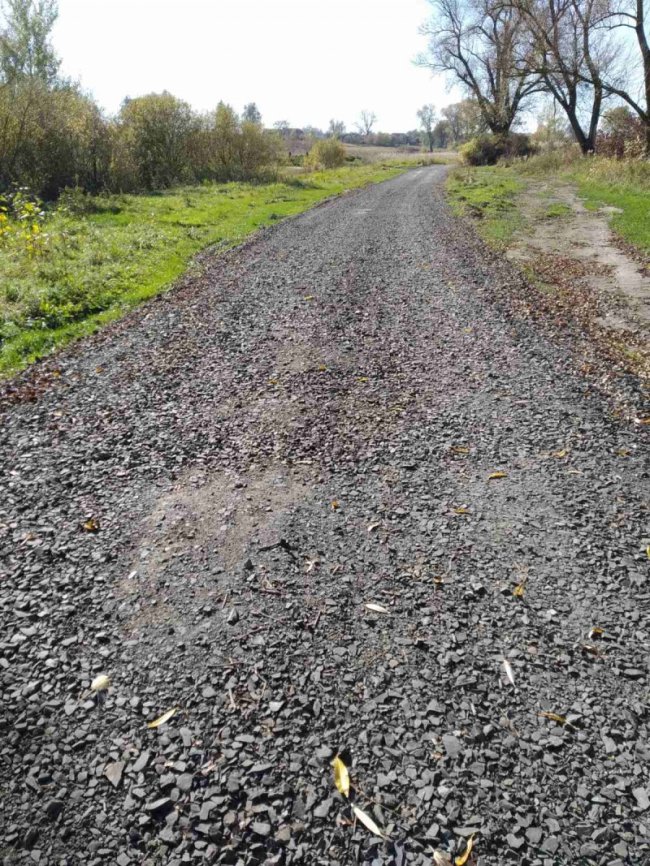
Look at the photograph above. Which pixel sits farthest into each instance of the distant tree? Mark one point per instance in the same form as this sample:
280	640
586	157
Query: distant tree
366	122
313	132
427	117
25	48
282	126
251	113
336	129
465	120
441	134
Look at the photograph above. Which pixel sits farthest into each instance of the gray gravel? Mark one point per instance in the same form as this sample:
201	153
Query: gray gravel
201	501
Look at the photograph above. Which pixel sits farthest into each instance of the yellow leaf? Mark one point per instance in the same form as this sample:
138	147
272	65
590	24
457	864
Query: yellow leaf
596	632
91	525
560	454
518	591
623	452
367	821
322	368
647	551
362	378
554	717
335	505
497	475
464	857
461	510
164	718
438	580
341	777
643	420
273	381
100	683
309	297
460	449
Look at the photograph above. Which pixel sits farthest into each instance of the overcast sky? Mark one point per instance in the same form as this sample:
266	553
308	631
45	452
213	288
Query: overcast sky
304	61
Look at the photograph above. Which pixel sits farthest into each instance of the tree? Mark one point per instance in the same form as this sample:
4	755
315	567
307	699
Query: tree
631	15
570	52
465	120
427	116
25	49
156	129
367	120
336	129
480	44
252	114
282	126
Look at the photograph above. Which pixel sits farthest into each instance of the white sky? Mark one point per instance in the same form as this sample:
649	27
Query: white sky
304	61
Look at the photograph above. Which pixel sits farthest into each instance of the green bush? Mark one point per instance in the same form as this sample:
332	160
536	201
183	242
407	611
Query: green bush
489	149
326	153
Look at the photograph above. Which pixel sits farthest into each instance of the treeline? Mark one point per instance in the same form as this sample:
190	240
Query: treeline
53	135
587	56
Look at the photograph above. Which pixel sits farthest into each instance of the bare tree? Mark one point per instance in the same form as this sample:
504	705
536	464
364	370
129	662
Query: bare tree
336	129
569	51
633	89
367	120
427	116
480	43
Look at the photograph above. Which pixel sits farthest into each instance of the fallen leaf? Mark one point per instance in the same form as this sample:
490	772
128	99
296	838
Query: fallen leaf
464	857
507	667
499	474
377	608
367	821
596	632
623	452
461	510
460	449
559	454
91	525
647	551
335	505
100	683
373	526
273	381
164	718
554	717
341	777
362	378
438	580
643	420
442	858
322	368
518	591
309	297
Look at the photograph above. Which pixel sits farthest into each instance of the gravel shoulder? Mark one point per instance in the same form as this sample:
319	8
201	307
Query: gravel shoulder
202	500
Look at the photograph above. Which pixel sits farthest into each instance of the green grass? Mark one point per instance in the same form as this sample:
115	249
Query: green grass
604	182
557	210
92	268
488	194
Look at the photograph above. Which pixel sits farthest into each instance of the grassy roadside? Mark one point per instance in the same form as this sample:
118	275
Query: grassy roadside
490	196
89	263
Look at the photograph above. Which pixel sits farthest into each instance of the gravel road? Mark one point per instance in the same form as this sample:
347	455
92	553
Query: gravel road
201	501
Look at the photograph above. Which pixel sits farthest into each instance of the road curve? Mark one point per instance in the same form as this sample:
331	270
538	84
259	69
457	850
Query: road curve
202	501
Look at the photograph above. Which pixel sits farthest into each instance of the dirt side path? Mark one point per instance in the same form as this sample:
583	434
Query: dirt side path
572	235
339	413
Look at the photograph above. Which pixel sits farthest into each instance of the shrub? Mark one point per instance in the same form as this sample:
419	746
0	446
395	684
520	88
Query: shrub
489	149
327	153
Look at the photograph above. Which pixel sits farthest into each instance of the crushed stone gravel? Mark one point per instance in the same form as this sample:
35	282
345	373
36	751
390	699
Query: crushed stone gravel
200	503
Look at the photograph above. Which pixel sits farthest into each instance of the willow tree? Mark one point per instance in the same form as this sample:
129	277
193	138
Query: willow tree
480	44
